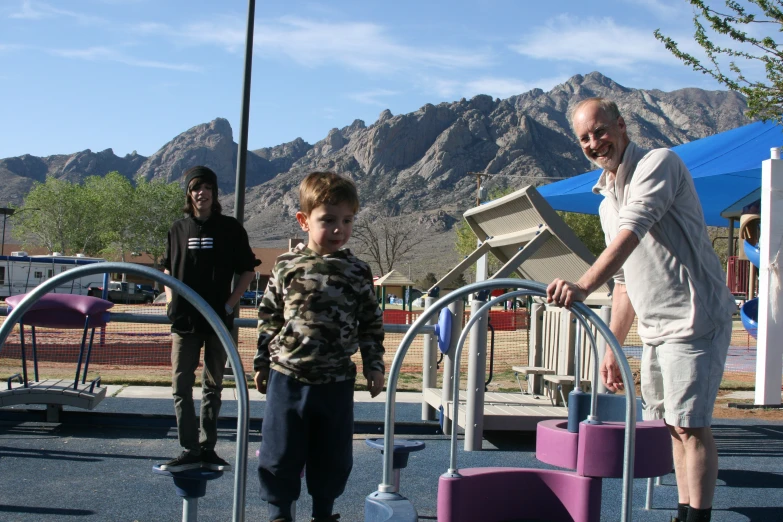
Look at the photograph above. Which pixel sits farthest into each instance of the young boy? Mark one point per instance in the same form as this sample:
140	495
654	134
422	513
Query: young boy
318	310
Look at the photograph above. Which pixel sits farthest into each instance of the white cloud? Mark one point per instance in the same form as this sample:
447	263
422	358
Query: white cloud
356	45
506	87
597	42
373	97
30	10
106	54
497	87
225	31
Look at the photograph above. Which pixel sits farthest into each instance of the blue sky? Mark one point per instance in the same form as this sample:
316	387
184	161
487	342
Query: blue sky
133	74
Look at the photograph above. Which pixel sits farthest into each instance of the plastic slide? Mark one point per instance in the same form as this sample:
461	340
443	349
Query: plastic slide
750	310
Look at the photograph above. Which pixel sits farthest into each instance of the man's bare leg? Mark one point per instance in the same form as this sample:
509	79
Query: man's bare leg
695	465
678	453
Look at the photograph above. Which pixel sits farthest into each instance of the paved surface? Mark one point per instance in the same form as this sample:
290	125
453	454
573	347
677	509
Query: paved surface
85	471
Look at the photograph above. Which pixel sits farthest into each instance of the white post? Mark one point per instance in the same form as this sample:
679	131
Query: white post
477	366
429	367
769	345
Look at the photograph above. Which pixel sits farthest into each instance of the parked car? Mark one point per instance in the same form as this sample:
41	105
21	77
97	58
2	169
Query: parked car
250	298
122	292
148	289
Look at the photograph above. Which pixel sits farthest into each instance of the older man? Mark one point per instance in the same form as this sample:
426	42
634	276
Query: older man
668	275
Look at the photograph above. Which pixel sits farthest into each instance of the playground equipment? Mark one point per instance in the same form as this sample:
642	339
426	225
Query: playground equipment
487	494
64	311
530	239
26	304
191	485
749	312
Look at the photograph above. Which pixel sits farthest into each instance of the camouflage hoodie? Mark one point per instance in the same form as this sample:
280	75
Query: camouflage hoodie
317	311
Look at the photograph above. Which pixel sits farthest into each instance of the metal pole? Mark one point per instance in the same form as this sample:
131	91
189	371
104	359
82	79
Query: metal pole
6	212
189	509
2	249
239	186
239	193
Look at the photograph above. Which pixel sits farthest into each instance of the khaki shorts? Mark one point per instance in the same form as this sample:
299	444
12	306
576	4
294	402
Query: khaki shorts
680	380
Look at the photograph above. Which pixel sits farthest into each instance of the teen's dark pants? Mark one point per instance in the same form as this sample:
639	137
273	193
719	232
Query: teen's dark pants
185	358
306	427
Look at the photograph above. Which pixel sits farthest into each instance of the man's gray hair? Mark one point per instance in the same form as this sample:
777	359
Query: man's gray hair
606	105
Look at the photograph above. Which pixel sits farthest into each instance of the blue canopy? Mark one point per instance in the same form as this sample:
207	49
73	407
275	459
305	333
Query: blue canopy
725	167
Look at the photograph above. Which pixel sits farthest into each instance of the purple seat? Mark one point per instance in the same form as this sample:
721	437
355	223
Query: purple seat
601	449
498	494
64	311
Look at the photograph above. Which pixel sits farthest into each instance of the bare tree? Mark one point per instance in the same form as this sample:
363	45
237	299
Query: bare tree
385	240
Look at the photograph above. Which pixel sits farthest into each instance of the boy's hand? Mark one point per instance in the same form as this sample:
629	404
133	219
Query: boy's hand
261	377
375	383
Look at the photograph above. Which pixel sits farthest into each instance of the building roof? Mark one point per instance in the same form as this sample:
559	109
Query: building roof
393	278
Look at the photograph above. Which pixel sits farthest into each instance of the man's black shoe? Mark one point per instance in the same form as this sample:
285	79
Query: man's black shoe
186	460
210	460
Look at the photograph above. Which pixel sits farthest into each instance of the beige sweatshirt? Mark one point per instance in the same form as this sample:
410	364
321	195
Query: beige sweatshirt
674	278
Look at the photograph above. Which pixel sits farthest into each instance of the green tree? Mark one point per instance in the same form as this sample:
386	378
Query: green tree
157	205
588	229
114	209
427	281
744	25
58	215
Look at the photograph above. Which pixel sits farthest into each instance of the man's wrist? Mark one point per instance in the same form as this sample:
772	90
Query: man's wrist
229	309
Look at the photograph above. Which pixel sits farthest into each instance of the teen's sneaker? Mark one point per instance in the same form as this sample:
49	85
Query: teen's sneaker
186	460
210	460
325	519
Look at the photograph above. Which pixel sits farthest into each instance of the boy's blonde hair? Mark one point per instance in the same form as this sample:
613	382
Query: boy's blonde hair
326	188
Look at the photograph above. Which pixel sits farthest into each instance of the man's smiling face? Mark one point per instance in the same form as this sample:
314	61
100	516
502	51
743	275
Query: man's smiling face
602	138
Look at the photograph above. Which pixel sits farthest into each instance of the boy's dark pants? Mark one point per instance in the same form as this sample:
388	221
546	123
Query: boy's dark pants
308	425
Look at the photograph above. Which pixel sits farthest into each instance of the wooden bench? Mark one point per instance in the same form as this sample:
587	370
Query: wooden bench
542	352
558	386
551	355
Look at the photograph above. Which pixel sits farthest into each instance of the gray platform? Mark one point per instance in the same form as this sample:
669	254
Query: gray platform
503	411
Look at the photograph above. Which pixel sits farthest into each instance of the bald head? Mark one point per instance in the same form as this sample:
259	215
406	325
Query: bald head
601	132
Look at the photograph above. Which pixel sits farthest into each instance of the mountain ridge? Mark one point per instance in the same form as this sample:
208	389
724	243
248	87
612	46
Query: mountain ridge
416	164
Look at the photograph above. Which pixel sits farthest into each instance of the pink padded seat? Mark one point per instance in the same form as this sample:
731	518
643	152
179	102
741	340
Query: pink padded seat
601	449
499	494
555	445
64	310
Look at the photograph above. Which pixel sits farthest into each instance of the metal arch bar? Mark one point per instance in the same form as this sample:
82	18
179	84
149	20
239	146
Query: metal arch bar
387	486
201	305
474	318
461	343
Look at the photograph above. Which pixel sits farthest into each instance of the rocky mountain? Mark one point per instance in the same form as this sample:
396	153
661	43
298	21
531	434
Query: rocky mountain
18	174
417	164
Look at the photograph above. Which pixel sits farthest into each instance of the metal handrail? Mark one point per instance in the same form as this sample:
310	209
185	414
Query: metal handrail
534	288
125	317
200	305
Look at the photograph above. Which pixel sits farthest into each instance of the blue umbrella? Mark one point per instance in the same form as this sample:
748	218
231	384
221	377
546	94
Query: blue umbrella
725	168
